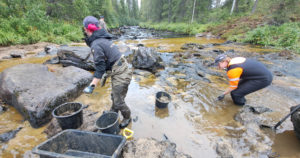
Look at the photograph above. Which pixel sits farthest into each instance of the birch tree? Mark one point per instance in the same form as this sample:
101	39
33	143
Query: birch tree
233	6
193	11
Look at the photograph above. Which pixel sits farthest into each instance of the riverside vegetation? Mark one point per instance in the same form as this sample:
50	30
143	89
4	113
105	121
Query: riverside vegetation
273	23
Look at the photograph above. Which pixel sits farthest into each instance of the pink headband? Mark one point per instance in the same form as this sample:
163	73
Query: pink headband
92	27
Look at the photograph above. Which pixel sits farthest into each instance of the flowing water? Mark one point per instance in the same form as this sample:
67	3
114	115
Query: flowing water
194	120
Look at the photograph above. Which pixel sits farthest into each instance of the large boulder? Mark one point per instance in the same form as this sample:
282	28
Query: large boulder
34	90
147	58
76	56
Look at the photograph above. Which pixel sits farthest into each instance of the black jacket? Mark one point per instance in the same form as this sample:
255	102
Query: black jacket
104	51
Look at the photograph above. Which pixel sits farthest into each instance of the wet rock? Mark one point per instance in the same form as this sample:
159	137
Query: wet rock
9	135
200	35
142	72
148	59
286	54
2	108
51	50
295	118
224	149
35	91
17	54
6	57
201	73
88	124
192	46
140	45
76	56
151	148
54	60
278	73
256	140
249	114
218	51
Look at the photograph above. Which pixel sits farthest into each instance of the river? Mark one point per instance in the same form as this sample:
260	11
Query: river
194	120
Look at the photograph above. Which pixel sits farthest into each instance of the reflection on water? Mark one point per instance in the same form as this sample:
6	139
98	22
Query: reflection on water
161	112
287	145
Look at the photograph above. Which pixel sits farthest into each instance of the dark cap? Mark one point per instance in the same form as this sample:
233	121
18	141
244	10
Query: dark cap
220	58
101	16
90	20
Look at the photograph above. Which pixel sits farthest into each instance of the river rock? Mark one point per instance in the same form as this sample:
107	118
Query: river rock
9	135
224	149
147	58
35	91
151	148
51	50
142	72
192	46
76	56
17	54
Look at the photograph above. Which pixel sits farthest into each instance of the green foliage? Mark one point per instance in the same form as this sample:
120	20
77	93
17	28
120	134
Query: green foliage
286	36
191	29
58	21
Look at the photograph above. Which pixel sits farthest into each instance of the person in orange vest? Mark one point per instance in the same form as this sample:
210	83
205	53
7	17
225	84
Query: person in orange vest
245	76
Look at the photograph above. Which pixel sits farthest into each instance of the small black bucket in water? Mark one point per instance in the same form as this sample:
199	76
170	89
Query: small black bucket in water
69	115
162	99
108	123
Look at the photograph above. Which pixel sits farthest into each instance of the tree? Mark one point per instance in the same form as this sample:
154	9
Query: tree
233	6
254	7
193	11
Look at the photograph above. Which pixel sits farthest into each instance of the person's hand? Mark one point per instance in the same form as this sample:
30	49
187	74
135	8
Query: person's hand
221	97
89	89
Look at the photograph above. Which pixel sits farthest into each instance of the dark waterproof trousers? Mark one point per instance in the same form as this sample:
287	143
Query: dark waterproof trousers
120	79
246	87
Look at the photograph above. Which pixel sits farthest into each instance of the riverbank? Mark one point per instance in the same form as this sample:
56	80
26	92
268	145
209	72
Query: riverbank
247	29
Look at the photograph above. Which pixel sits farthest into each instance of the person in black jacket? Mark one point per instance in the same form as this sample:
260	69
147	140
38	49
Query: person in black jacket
108	62
245	76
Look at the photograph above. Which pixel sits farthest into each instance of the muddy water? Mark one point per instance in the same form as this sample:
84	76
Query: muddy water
194	120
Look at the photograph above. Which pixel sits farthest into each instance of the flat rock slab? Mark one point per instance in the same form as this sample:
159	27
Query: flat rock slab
35	90
151	148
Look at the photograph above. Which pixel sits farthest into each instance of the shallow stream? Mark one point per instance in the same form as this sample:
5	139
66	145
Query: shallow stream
194	120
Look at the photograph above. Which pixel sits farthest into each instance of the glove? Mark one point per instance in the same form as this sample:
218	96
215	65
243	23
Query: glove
221	97
89	89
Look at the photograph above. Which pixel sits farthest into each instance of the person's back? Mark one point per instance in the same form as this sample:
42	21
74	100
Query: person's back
252	69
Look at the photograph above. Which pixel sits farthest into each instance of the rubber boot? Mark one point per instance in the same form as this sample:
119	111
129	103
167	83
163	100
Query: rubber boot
125	122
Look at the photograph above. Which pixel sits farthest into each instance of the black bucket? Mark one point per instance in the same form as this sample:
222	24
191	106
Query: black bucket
162	103
108	123
69	115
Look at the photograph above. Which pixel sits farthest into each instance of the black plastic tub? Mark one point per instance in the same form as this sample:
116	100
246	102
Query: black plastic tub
72	143
162	104
108	123
69	115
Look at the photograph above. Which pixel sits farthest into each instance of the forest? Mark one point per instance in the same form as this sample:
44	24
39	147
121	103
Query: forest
274	23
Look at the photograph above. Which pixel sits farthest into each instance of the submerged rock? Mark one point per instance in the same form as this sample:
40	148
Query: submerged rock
151	148
35	91
192	46
9	135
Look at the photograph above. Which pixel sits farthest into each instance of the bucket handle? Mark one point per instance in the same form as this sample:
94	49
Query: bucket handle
128	131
